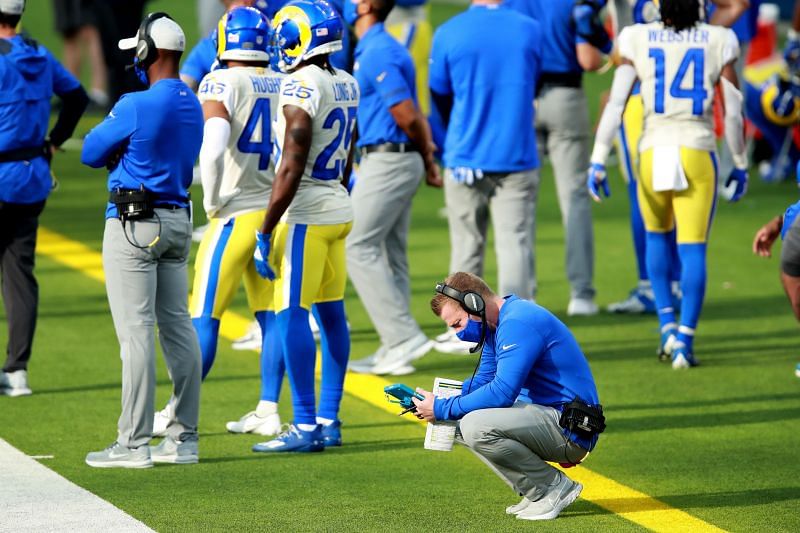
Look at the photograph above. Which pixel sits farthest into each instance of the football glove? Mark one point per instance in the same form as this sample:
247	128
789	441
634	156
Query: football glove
261	256
791	54
738	176
597	181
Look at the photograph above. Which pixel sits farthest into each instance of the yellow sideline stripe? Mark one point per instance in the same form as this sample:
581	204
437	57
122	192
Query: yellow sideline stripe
623	501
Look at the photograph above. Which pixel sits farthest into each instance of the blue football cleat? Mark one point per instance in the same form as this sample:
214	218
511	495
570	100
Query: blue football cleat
682	357
294	440
638	302
332	433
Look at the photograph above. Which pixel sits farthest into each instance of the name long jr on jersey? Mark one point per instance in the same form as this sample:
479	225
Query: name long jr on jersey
344	92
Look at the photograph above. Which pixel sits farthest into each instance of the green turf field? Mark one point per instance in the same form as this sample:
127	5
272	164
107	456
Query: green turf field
718	442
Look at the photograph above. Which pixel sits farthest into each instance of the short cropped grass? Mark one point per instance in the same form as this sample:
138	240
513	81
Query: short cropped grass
718	442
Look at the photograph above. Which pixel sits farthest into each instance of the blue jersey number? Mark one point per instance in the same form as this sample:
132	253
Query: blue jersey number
245	144
694	58
345	124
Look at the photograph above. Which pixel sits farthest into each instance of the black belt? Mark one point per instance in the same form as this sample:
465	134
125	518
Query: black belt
561	79
384	148
23	154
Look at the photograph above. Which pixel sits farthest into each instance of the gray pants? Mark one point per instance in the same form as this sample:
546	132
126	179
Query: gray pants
515	442
510	199
563	131
146	287
377	259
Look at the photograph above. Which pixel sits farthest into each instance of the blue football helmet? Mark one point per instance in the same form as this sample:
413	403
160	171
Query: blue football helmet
645	11
780	101
243	34
304	29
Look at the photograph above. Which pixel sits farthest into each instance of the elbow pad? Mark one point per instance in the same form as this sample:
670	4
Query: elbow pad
216	133
734	123
588	26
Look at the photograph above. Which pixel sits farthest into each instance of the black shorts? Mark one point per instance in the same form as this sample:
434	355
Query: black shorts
72	15
790	253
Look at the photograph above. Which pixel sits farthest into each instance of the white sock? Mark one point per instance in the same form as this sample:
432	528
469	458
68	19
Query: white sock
325	421
266	408
306	427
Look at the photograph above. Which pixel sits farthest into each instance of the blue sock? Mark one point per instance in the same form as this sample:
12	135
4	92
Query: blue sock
335	340
207	329
273	366
693	285
300	355
658	269
639	233
674	258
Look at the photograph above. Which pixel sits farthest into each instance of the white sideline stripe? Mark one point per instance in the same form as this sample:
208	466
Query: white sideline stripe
35	499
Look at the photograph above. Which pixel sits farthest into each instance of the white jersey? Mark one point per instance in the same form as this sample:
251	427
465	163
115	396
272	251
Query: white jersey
331	100
678	72
250	95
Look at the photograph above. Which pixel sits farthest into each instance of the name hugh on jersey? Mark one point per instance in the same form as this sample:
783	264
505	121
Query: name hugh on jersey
266	85
685	36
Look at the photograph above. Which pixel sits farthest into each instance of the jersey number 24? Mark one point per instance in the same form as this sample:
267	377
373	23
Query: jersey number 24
695	58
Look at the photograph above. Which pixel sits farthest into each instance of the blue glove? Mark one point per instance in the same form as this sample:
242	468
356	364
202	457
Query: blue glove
261	256
597	180
739	176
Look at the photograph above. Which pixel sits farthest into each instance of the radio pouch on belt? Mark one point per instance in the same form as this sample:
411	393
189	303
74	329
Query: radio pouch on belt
132	204
582	419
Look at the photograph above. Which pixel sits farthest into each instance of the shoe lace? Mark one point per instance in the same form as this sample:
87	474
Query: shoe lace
286	430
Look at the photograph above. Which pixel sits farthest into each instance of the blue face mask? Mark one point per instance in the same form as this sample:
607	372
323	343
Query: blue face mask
140	72
471	333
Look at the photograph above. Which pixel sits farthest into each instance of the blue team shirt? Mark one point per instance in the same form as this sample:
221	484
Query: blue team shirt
200	60
531	357
556	19
163	130
385	73
488	58
29	76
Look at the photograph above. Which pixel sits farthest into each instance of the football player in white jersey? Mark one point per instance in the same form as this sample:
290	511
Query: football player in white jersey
679	61
308	217
239	102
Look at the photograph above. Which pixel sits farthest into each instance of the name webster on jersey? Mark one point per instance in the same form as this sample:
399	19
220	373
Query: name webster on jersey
686	36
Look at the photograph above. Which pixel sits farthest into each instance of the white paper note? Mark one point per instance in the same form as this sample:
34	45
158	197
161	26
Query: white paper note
441	434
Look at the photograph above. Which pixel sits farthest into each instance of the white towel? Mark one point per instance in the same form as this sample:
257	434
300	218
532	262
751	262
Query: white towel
668	174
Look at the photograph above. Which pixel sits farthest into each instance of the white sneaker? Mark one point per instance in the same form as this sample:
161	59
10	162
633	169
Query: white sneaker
175	452
198	232
251	340
551	504
448	342
161	420
518	507
365	364
582	307
401	355
312	322
15	383
252	423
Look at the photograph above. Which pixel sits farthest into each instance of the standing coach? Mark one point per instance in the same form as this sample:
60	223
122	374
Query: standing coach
150	141
29	76
575	39
397	150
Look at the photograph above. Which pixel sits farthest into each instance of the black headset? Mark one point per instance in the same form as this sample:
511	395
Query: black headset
146	47
470	301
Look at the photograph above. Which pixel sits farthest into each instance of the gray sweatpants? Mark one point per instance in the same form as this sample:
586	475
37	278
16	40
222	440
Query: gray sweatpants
510	199
145	288
516	443
563	131
377	259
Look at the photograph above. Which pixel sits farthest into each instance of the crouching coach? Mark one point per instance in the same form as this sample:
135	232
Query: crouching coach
531	400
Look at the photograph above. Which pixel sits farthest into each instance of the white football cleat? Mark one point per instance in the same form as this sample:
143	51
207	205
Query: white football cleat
252	423
582	307
398	357
161	420
251	340
448	342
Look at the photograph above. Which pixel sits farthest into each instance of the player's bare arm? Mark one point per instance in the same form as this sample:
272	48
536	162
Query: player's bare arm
293	161
728	11
411	121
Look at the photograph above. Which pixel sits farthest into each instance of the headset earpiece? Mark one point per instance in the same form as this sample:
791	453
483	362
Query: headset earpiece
470	301
146	48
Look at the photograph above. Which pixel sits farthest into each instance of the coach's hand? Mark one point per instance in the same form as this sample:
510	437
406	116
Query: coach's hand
424	407
738	176
597	181
261	256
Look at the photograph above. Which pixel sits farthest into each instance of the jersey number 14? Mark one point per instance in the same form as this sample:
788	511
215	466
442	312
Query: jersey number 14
695	58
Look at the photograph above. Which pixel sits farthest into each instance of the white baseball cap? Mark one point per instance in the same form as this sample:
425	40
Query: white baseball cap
165	32
12	7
